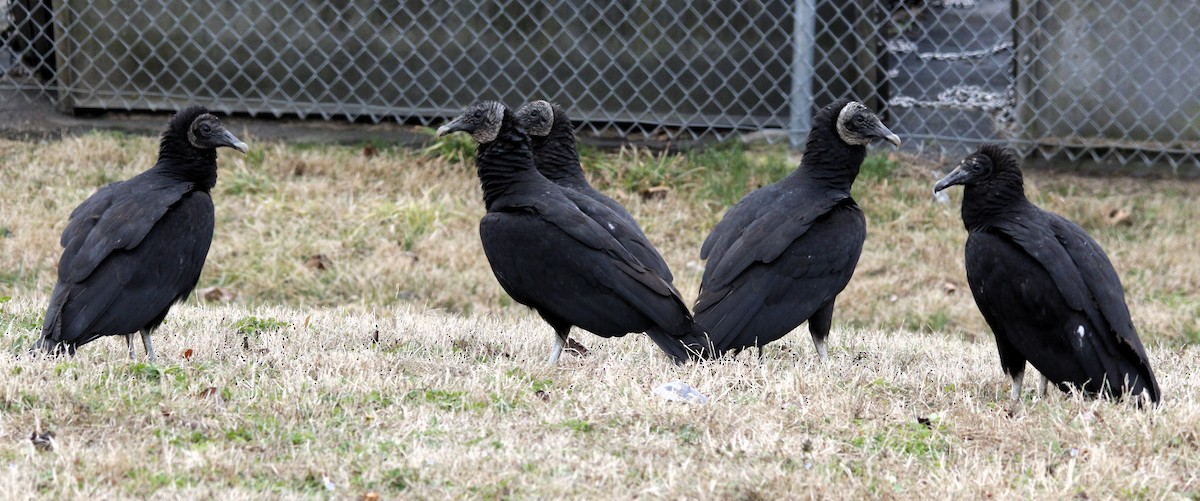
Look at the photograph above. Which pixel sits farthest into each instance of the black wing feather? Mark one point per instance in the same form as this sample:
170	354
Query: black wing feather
596	283
1088	284
117	217
143	271
759	230
620	224
812	268
1107	294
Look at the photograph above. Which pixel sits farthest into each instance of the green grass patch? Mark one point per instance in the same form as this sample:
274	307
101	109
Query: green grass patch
27	327
247	182
412	221
689	434
300	437
728	171
878	166
503	403
19	277
377	399
192	438
921	440
453	148
239	434
147	480
577	425
255	326
1191	334
23	402
535	385
445	400
145	372
399	479
66	368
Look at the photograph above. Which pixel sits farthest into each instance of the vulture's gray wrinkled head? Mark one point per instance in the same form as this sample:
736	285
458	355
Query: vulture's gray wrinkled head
206	133
856	125
482	121
982	166
537	117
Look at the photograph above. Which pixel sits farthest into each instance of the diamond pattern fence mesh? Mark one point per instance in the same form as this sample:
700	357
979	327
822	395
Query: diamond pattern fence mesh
1107	79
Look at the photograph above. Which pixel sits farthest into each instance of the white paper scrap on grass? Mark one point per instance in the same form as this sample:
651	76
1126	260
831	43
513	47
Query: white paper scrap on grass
679	391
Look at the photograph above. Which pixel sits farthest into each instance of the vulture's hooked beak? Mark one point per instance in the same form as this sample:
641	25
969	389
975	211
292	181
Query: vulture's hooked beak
458	124
881	131
232	141
956	176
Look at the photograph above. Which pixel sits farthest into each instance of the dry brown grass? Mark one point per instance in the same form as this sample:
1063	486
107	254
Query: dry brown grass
455	400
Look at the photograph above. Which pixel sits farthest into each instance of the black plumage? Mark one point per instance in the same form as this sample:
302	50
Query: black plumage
136	247
1045	287
782	254
549	255
552	138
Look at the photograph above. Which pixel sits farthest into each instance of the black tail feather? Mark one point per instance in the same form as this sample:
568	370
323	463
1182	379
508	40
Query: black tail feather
694	344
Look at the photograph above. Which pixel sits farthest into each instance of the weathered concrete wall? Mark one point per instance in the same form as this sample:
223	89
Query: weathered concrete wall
1110	73
4	24
719	63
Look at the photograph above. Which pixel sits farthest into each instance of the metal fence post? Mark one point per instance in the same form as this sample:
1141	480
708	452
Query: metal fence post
804	25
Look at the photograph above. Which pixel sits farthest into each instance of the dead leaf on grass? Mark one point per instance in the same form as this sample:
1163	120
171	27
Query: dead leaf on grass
217	294
319	262
577	348
655	192
299	168
42	440
1118	216
480	348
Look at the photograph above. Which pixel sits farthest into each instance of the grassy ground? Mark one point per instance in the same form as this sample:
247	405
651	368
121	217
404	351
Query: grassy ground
362	346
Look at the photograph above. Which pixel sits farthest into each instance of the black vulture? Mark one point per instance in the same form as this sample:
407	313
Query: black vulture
549	255
552	138
136	247
1045	287
781	255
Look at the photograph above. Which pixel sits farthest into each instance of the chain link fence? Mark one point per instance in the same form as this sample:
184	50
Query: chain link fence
1109	79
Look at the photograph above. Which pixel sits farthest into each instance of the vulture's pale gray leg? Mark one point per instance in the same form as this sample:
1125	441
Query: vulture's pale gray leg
560	341
1018	379
145	342
822	353
818	325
